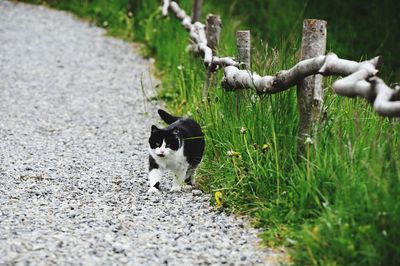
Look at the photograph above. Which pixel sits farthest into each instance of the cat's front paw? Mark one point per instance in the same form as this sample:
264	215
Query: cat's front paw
153	190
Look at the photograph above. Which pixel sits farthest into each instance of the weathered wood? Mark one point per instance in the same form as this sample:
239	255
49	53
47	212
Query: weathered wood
358	81
309	90
224	61
383	103
197	34
359	77
213	30
234	79
165	7
326	65
196	11
243	48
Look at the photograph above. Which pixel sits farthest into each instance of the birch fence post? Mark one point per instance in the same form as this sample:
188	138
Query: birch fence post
243	46
213	31
196	11
309	90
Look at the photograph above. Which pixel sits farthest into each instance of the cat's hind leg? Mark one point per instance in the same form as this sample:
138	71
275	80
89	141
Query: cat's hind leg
178	180
155	174
189	179
176	185
184	179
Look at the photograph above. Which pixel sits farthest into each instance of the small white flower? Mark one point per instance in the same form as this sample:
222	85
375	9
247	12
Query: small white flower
265	147
243	130
180	67
309	141
384	233
130	14
232	153
254	98
105	23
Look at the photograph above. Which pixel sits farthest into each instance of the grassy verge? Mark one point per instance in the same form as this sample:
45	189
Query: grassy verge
338	205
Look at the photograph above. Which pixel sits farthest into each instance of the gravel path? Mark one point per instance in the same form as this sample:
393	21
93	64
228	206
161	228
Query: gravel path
73	157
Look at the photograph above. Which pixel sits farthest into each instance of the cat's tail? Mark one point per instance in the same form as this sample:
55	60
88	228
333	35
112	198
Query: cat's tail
169	119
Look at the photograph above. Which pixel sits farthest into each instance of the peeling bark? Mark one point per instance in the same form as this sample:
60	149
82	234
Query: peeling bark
196	12
225	61
243	48
234	78
213	30
383	103
310	99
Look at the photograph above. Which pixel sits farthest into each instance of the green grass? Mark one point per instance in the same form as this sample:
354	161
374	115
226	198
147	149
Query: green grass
339	204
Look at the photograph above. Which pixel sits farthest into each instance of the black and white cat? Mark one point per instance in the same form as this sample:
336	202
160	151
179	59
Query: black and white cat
179	147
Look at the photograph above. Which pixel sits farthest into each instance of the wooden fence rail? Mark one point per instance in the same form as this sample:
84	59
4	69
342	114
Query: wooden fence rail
360	78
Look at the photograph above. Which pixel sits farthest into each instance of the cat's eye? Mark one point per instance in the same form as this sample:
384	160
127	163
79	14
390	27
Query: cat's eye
157	143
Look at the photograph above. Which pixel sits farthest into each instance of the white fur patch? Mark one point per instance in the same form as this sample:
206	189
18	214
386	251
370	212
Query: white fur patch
155	176
153	190
172	160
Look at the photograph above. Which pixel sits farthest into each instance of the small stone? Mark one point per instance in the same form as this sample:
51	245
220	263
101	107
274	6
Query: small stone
155	200
118	247
242	242
197	192
16	248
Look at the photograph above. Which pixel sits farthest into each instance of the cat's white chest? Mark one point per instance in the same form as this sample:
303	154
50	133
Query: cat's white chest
174	161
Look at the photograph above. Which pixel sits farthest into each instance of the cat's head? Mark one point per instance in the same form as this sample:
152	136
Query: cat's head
164	142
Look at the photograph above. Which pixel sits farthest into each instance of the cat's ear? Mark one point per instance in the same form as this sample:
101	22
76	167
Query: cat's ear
154	129
176	131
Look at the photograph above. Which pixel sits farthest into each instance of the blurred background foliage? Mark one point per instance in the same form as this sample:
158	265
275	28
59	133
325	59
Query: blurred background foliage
356	29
